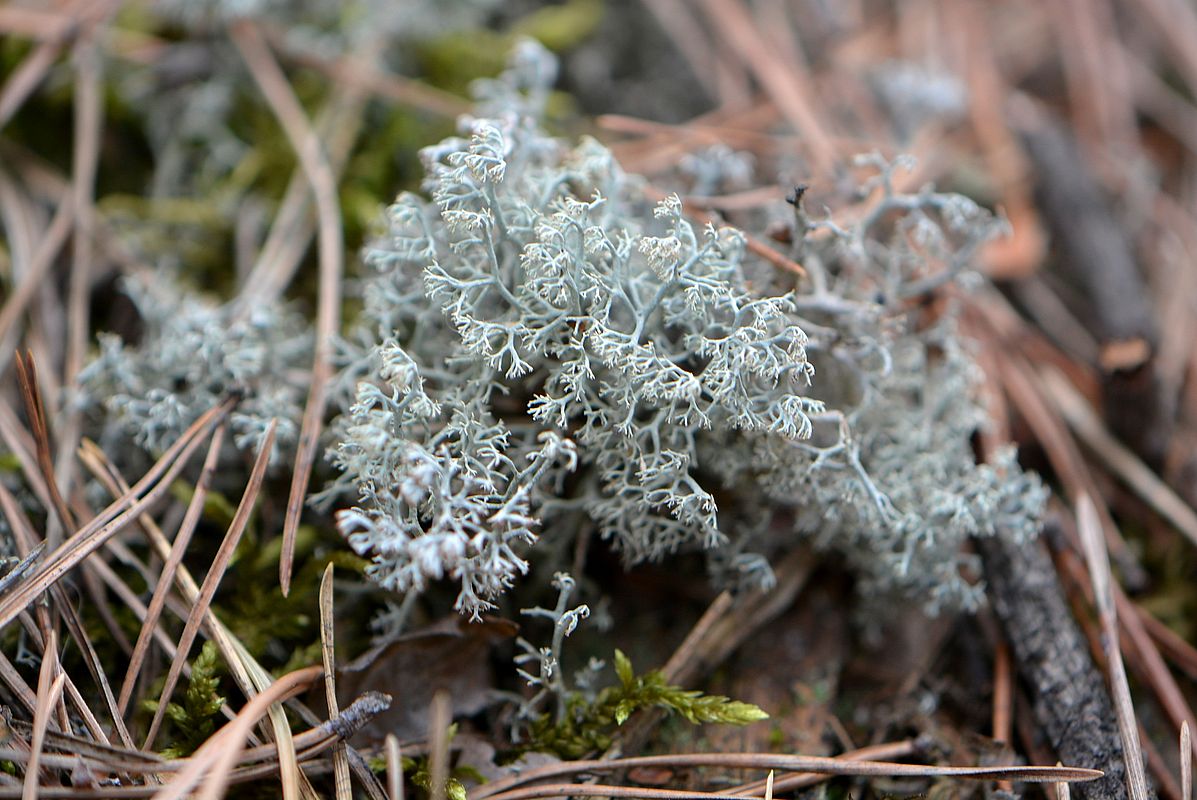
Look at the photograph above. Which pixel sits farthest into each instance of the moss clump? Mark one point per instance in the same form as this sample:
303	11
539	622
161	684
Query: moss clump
588	726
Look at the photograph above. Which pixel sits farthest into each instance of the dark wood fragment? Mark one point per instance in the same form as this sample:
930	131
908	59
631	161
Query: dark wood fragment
1093	255
1068	694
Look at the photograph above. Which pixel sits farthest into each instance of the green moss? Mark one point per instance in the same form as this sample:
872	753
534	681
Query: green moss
455	59
588	727
194	719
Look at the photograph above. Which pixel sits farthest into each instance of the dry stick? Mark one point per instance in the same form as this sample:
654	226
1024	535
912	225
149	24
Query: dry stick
247	674
1018	379
1070	467
505	787
1022	252
215	572
102	470
1156	672
315	165
49	689
1070	700
660	152
1176	23
791	781
221	751
23	536
1121	461
1089	528
35	410
1097	256
27	542
134	604
79	547
166	578
1092	72
113	519
344	790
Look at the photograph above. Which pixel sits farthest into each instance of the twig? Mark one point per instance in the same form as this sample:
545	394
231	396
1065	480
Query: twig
35	410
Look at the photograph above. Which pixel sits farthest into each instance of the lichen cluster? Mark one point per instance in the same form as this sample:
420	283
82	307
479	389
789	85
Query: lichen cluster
547	352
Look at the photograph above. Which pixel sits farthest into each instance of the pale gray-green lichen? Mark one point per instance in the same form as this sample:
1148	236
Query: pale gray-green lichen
546	352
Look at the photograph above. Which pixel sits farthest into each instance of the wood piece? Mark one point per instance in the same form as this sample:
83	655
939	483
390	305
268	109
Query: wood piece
1093	254
1069	696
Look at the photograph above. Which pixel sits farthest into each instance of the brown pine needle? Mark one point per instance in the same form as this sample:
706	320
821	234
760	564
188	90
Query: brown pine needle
328	654
505	788
219	564
1186	762
113	519
217	756
166	579
1093	543
306	143
49	691
35	410
1120	460
790	781
35	274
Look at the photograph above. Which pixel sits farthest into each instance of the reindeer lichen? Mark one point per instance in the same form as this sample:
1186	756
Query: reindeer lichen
546	351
